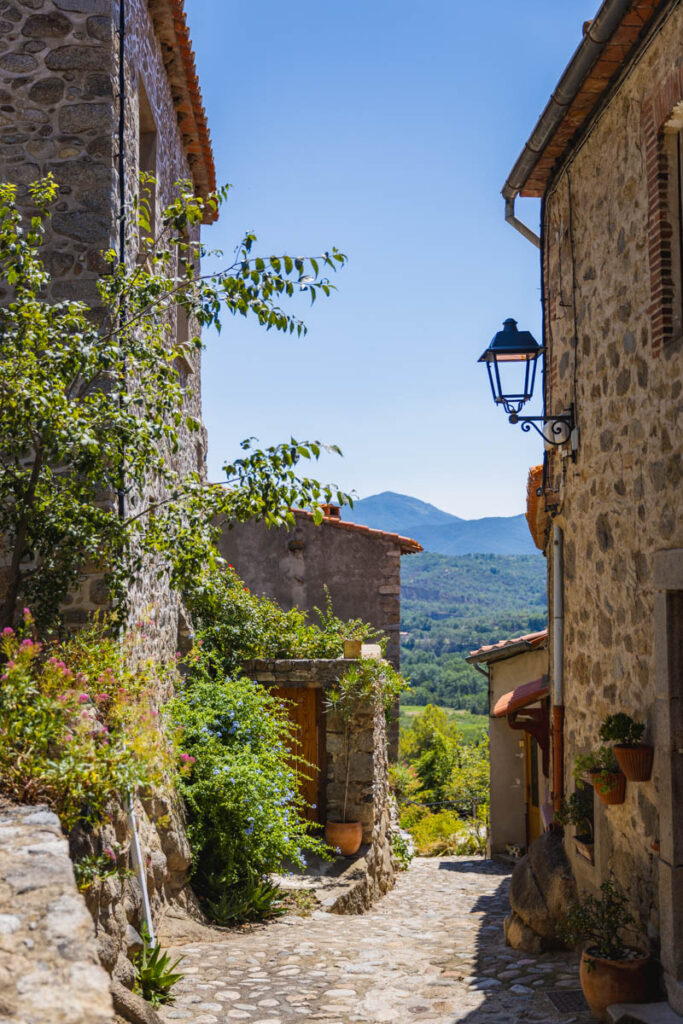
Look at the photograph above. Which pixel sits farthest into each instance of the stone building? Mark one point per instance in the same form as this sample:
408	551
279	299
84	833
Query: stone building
519	736
344	771
95	91
359	566
605	159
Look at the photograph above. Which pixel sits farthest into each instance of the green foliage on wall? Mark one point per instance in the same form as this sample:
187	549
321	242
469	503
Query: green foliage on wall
93	411
79	722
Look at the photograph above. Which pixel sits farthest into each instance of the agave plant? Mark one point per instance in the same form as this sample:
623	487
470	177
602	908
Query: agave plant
155	975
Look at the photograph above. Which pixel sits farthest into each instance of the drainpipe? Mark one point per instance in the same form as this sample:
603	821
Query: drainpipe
558	667
138	863
598	33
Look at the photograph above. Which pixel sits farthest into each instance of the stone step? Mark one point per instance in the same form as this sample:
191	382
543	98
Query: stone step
642	1013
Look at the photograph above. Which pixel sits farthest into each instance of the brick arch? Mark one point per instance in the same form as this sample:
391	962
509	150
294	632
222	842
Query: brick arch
656	111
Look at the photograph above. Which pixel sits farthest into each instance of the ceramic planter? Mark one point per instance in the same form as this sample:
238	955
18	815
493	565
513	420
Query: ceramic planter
344	835
614	981
635	762
610	787
353	648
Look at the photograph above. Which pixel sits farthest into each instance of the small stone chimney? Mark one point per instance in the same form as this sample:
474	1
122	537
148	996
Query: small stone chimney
333	511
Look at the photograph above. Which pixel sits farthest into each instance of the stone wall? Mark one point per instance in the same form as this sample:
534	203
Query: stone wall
59	112
115	903
618	502
368	795
60	103
49	969
362	570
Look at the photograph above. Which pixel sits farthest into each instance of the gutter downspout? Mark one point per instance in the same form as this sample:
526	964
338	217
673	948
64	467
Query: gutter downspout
558	667
599	33
138	864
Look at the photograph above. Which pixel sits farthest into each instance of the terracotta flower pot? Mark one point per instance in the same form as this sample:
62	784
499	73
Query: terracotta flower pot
610	787
614	981
635	762
344	835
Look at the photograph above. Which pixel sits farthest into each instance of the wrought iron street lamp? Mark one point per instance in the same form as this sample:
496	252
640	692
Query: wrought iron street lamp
511	360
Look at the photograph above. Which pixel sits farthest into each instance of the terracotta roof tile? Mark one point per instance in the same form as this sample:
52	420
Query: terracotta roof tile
529	642
170	25
521	697
616	52
407	545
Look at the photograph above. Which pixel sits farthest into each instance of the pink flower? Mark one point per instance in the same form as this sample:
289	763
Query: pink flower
101	697
187	758
68	737
82	698
27	613
109	853
27	642
8	631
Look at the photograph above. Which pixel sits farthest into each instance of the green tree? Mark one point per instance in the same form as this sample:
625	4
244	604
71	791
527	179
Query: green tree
92	408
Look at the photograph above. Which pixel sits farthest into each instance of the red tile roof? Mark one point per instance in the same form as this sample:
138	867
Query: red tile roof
520	697
170	26
508	648
406	544
607	67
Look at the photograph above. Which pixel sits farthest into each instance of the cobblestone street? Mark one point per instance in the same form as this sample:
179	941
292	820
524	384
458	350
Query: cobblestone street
429	952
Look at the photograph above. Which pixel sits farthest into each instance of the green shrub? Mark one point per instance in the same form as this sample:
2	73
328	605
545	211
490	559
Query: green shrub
601	921
234	625
402	850
443	833
622	730
78	724
241	791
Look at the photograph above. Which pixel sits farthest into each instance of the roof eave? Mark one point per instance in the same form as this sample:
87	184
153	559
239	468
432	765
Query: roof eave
171	29
613	15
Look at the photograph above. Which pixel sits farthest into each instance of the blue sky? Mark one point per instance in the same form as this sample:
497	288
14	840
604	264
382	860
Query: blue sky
386	129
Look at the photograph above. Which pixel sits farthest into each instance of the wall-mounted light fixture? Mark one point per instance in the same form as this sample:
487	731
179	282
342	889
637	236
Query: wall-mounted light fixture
511	360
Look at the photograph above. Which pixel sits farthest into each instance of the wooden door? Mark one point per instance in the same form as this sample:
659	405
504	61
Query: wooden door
533	809
304	707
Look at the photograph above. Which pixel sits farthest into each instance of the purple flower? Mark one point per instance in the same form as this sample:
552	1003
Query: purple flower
82	698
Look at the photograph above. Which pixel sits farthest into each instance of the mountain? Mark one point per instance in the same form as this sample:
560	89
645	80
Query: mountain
440	531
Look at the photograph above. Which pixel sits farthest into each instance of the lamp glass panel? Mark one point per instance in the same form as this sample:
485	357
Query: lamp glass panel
512	380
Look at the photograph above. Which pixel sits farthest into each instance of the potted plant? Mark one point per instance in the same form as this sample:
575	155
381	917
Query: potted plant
612	970
634	757
364	683
577	810
601	768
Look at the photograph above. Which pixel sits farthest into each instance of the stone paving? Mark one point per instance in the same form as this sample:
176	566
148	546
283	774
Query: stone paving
430	952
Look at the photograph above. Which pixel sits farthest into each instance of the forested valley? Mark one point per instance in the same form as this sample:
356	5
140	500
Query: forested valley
452	604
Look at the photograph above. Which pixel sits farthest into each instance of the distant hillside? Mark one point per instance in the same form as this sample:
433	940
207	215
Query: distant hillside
452	605
442	532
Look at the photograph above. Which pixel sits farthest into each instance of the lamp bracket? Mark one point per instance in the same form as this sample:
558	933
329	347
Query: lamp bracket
560	430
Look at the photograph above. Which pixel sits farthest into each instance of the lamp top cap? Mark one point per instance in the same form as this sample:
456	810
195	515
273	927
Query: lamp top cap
513	342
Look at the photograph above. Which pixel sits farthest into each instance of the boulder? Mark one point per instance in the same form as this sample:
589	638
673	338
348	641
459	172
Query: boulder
133	1007
541	887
